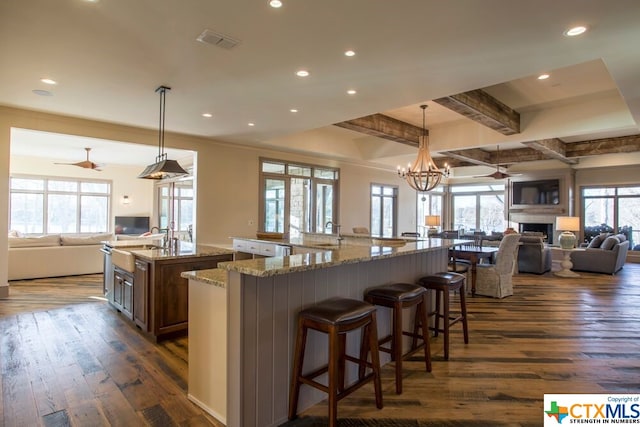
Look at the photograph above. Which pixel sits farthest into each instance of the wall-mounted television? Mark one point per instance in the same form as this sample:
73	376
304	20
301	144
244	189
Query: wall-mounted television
131	225
542	192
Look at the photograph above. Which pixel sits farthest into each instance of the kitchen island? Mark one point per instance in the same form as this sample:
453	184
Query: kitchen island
243	316
147	287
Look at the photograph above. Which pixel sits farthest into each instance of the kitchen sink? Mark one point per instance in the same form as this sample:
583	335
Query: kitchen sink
123	260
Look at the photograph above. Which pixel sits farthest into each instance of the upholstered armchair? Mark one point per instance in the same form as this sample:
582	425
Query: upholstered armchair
495	280
533	256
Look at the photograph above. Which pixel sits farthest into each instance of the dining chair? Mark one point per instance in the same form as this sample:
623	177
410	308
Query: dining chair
495	280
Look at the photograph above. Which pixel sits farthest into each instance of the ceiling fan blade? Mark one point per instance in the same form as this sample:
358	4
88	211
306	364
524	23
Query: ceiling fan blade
86	164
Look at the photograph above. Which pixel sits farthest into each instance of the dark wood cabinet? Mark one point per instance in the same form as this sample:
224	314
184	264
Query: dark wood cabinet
161	295
141	294
123	292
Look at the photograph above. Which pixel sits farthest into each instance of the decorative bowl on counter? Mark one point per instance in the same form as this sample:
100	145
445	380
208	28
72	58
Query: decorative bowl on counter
389	242
269	235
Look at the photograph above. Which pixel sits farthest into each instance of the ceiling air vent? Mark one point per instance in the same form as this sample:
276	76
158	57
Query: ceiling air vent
217	39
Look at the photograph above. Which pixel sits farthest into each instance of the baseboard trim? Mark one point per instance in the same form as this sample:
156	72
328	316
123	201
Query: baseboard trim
208	410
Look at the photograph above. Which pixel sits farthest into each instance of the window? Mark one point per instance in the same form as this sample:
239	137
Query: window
429	204
41	205
176	207
478	207
384	206
297	198
614	209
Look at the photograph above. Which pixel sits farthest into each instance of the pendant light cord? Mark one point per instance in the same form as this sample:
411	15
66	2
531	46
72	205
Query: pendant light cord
162	90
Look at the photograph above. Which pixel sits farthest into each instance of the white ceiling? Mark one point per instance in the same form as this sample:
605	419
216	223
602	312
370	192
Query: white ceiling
109	56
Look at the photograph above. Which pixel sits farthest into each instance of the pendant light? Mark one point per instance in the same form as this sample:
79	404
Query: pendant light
423	175
163	167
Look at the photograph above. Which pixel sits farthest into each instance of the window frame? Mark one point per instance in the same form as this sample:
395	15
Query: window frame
475	190
314	178
78	193
395	199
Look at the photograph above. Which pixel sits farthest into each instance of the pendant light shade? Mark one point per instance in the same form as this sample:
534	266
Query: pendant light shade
423	175
163	167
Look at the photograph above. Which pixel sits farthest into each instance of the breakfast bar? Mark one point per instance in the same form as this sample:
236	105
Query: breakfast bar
242	321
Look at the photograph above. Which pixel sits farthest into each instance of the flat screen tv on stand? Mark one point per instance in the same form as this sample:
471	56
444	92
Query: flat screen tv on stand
131	225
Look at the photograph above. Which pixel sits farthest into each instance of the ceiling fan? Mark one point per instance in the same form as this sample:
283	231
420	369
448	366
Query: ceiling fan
87	164
498	174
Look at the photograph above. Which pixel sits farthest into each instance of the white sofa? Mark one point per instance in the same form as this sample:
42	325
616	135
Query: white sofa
55	255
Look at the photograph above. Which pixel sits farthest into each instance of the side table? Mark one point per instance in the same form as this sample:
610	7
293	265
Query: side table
566	264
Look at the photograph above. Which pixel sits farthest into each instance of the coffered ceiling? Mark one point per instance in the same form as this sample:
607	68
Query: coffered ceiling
108	56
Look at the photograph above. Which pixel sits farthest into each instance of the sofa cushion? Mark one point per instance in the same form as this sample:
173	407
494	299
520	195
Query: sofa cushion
29	242
609	243
621	237
141	237
94	239
596	242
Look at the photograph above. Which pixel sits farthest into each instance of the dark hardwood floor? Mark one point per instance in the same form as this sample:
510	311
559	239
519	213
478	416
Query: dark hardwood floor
67	358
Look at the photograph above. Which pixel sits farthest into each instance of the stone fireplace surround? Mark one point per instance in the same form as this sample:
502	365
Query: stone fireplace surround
545	229
538	221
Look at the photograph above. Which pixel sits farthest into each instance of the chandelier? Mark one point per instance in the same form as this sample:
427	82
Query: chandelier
163	167
423	175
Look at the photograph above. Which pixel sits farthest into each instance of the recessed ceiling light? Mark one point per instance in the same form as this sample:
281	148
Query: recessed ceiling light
294	110
349	53
207	115
275	3
575	31
42	92
352	92
49	81
543	76
302	73
251	124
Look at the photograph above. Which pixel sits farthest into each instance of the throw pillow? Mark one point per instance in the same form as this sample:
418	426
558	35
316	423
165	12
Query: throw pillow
609	243
596	241
621	237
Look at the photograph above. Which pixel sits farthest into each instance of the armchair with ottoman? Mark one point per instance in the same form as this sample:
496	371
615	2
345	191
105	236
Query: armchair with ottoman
606	253
533	255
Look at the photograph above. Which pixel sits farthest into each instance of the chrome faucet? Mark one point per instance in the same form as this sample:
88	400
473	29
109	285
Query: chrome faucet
168	239
337	226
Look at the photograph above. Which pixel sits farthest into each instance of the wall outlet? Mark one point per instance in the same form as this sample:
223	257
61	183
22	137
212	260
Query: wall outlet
250	222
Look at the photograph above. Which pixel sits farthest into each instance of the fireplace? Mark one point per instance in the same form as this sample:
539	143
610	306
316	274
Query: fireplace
545	229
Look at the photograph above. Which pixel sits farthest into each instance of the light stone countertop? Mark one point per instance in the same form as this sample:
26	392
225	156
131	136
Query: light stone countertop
212	276
345	254
185	249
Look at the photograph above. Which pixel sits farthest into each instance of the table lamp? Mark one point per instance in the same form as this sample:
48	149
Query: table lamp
567	224
432	221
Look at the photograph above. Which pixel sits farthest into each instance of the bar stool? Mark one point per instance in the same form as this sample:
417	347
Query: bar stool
336	317
443	283
399	296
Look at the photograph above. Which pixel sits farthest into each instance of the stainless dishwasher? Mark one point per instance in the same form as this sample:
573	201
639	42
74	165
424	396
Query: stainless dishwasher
107	275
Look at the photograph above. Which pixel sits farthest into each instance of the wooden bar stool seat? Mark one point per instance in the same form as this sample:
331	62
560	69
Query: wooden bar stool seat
399	296
443	283
336	317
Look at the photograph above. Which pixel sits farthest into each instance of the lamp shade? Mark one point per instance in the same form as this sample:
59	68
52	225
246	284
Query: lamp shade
568	223
432	220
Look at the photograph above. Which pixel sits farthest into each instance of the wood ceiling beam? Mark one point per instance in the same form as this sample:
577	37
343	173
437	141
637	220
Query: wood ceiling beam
473	156
482	108
620	144
385	127
554	148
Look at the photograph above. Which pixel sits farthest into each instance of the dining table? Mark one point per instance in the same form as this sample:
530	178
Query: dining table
473	253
